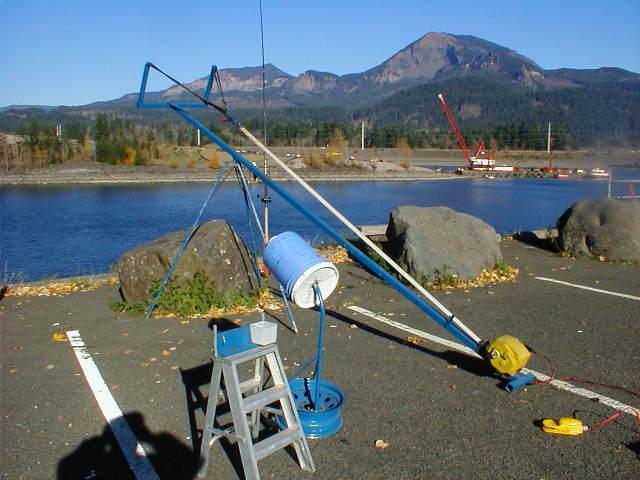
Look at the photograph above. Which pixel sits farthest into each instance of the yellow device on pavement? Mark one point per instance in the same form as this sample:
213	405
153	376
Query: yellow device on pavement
564	426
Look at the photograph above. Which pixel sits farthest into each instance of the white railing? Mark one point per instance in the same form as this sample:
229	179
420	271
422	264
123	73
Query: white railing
624	181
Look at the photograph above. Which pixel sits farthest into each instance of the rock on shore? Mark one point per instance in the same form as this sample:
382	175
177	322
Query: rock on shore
214	250
437	241
603	227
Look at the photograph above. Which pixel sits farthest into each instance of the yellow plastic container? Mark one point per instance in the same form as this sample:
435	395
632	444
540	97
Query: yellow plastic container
508	355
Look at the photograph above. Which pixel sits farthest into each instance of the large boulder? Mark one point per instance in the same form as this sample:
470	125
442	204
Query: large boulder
214	250
428	242
601	227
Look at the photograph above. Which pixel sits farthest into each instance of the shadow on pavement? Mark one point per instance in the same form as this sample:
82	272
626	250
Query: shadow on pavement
466	362
101	457
634	447
530	238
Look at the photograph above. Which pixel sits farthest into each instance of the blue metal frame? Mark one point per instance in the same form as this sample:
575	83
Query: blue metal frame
438	317
360	256
143	91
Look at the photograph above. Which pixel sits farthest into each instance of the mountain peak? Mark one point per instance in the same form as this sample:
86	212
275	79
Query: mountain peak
435	56
435	37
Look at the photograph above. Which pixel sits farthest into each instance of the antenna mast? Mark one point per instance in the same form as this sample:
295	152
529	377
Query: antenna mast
265	195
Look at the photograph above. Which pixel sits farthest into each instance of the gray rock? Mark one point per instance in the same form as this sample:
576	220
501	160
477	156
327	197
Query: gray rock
423	240
387	167
296	163
214	250
602	227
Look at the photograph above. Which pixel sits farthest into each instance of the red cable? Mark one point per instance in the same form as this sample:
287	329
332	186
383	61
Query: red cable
604	422
619	413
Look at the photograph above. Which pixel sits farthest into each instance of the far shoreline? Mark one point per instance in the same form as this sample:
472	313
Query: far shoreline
417	165
91	178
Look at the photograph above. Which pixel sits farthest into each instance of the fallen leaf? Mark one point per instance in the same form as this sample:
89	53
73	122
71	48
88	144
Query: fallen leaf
59	337
380	444
166	353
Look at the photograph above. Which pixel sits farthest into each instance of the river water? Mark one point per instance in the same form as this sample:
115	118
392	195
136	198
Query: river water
59	231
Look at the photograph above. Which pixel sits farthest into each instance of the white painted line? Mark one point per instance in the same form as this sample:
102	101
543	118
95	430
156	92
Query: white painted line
131	448
415	331
584	287
610	402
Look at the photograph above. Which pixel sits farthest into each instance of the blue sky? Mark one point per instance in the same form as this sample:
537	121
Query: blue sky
77	51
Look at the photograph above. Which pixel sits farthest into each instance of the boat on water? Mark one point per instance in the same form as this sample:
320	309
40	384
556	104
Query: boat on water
598	172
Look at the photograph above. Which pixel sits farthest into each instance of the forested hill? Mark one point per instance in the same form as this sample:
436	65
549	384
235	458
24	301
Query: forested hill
607	113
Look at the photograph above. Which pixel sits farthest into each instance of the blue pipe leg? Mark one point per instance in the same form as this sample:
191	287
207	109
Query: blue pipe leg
516	382
320	301
288	308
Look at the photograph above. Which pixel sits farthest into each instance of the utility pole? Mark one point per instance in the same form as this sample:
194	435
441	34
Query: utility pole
362	136
549	145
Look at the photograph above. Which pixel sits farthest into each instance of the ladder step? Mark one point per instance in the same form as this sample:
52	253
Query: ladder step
227	432
245	386
250	384
264	397
276	442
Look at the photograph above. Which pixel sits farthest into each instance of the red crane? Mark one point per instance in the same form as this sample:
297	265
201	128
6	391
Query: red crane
481	159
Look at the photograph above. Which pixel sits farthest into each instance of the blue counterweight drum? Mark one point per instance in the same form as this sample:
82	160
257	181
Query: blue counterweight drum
308	279
297	267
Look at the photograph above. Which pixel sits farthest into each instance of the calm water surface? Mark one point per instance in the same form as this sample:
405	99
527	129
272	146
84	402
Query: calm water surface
73	230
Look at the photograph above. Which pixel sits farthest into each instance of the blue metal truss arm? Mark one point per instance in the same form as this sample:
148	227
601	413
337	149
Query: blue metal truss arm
141	103
438	317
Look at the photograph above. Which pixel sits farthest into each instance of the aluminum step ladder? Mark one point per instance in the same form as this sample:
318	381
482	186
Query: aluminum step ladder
248	398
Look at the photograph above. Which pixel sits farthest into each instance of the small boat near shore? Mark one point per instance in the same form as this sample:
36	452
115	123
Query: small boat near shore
598	172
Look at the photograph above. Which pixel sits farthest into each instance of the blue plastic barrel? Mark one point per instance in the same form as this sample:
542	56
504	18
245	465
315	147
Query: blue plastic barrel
297	267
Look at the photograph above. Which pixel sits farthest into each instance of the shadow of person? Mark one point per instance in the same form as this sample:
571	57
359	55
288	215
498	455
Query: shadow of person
104	457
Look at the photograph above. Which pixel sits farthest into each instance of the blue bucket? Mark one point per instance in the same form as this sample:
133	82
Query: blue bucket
297	267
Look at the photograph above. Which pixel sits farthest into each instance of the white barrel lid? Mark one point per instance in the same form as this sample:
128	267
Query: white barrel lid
325	273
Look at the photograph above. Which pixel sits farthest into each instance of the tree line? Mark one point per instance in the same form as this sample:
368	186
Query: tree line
120	141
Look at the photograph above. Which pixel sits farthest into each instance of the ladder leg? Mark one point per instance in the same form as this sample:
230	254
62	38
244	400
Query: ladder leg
245	443
207	433
292	419
258	375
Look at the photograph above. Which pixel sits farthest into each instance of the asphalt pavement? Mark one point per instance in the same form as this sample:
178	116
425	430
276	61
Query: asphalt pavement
441	412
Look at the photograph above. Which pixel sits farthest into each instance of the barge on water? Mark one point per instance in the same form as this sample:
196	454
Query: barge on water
517	172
